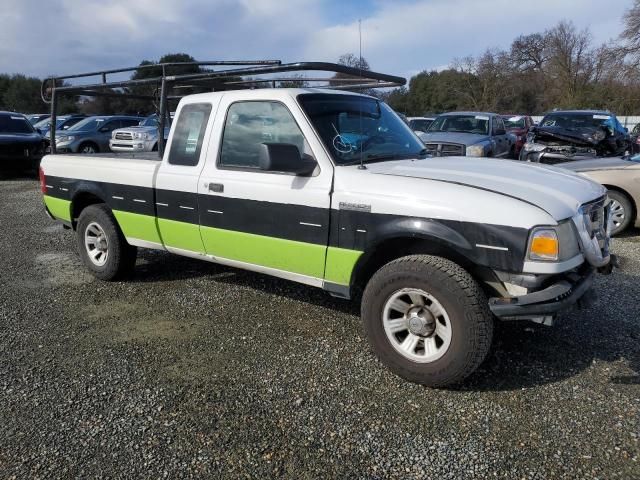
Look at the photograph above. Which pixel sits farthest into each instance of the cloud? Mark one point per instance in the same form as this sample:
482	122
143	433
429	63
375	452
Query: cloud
42	37
429	34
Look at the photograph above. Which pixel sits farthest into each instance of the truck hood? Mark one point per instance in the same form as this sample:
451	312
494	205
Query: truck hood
454	137
557	191
605	163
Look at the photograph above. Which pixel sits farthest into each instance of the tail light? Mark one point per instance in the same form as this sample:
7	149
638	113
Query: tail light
43	184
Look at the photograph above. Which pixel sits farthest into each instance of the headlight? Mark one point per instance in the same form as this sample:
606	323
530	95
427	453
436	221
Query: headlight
139	136
475	151
544	245
533	147
65	139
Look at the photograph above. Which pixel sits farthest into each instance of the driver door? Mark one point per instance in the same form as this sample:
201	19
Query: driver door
266	221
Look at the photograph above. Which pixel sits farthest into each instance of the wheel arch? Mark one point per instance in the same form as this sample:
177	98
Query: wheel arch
84	195
408	237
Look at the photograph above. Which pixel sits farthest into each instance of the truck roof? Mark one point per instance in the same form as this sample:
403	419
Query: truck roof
267	92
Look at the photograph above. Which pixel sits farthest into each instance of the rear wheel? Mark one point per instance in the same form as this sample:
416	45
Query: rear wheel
621	211
427	320
102	247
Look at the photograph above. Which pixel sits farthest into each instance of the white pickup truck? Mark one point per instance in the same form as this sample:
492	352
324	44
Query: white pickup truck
333	190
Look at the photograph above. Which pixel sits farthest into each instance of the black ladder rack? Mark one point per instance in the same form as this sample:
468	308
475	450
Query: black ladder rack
261	72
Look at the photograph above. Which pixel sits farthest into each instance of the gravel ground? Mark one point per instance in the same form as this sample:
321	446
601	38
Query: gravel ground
191	370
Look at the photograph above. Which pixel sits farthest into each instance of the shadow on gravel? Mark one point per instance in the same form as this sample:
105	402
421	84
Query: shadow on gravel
160	266
523	354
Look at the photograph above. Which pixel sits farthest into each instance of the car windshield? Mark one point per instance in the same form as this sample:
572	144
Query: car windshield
464	123
15	124
91	123
43	123
356	128
420	124
576	121
516	121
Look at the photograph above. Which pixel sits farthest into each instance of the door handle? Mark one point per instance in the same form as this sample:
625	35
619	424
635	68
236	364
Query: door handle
216	187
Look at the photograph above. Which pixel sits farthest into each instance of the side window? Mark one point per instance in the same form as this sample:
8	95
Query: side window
498	124
188	134
249	124
129	122
110	126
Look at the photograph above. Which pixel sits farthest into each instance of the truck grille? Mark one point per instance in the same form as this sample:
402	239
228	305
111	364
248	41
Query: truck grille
445	149
124	136
598	215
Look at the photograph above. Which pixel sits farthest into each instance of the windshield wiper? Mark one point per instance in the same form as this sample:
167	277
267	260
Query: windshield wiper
381	157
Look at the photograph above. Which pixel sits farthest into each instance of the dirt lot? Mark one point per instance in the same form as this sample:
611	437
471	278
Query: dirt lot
191	369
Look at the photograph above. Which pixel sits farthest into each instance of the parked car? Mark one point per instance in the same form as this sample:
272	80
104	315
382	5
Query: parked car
264	180
21	146
621	177
140	138
420	125
519	126
63	122
471	134
92	134
37	117
570	135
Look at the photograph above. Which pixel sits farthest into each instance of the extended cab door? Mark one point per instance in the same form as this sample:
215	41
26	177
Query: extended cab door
177	179
268	221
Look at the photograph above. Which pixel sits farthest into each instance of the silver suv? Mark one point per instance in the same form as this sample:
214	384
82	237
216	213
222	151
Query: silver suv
140	138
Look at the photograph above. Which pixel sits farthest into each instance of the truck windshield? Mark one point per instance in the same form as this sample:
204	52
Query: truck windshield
466	123
578	120
356	128
15	124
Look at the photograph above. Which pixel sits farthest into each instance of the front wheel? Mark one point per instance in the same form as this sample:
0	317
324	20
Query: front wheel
88	148
103	248
621	212
427	320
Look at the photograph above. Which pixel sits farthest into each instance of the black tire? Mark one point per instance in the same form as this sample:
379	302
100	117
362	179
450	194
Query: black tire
155	148
91	145
121	257
624	208
465	304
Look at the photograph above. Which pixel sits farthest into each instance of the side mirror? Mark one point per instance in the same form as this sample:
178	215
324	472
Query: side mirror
285	157
499	131
104	130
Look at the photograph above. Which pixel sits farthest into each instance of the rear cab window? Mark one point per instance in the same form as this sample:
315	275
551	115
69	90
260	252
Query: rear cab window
188	135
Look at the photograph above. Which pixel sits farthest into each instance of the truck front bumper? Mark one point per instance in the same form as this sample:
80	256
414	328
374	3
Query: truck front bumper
561	295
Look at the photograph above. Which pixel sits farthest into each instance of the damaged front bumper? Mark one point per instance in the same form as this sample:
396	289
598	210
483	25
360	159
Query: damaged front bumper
543	305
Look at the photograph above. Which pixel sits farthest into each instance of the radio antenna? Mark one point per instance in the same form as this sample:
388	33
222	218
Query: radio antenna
361	167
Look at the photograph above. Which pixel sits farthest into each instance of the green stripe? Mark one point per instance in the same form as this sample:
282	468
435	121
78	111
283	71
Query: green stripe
185	236
288	255
58	208
134	225
340	265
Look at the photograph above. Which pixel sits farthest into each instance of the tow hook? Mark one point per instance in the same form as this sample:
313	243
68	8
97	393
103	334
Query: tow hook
608	268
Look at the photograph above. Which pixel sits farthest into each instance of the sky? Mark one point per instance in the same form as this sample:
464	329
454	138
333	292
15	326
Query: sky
401	37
